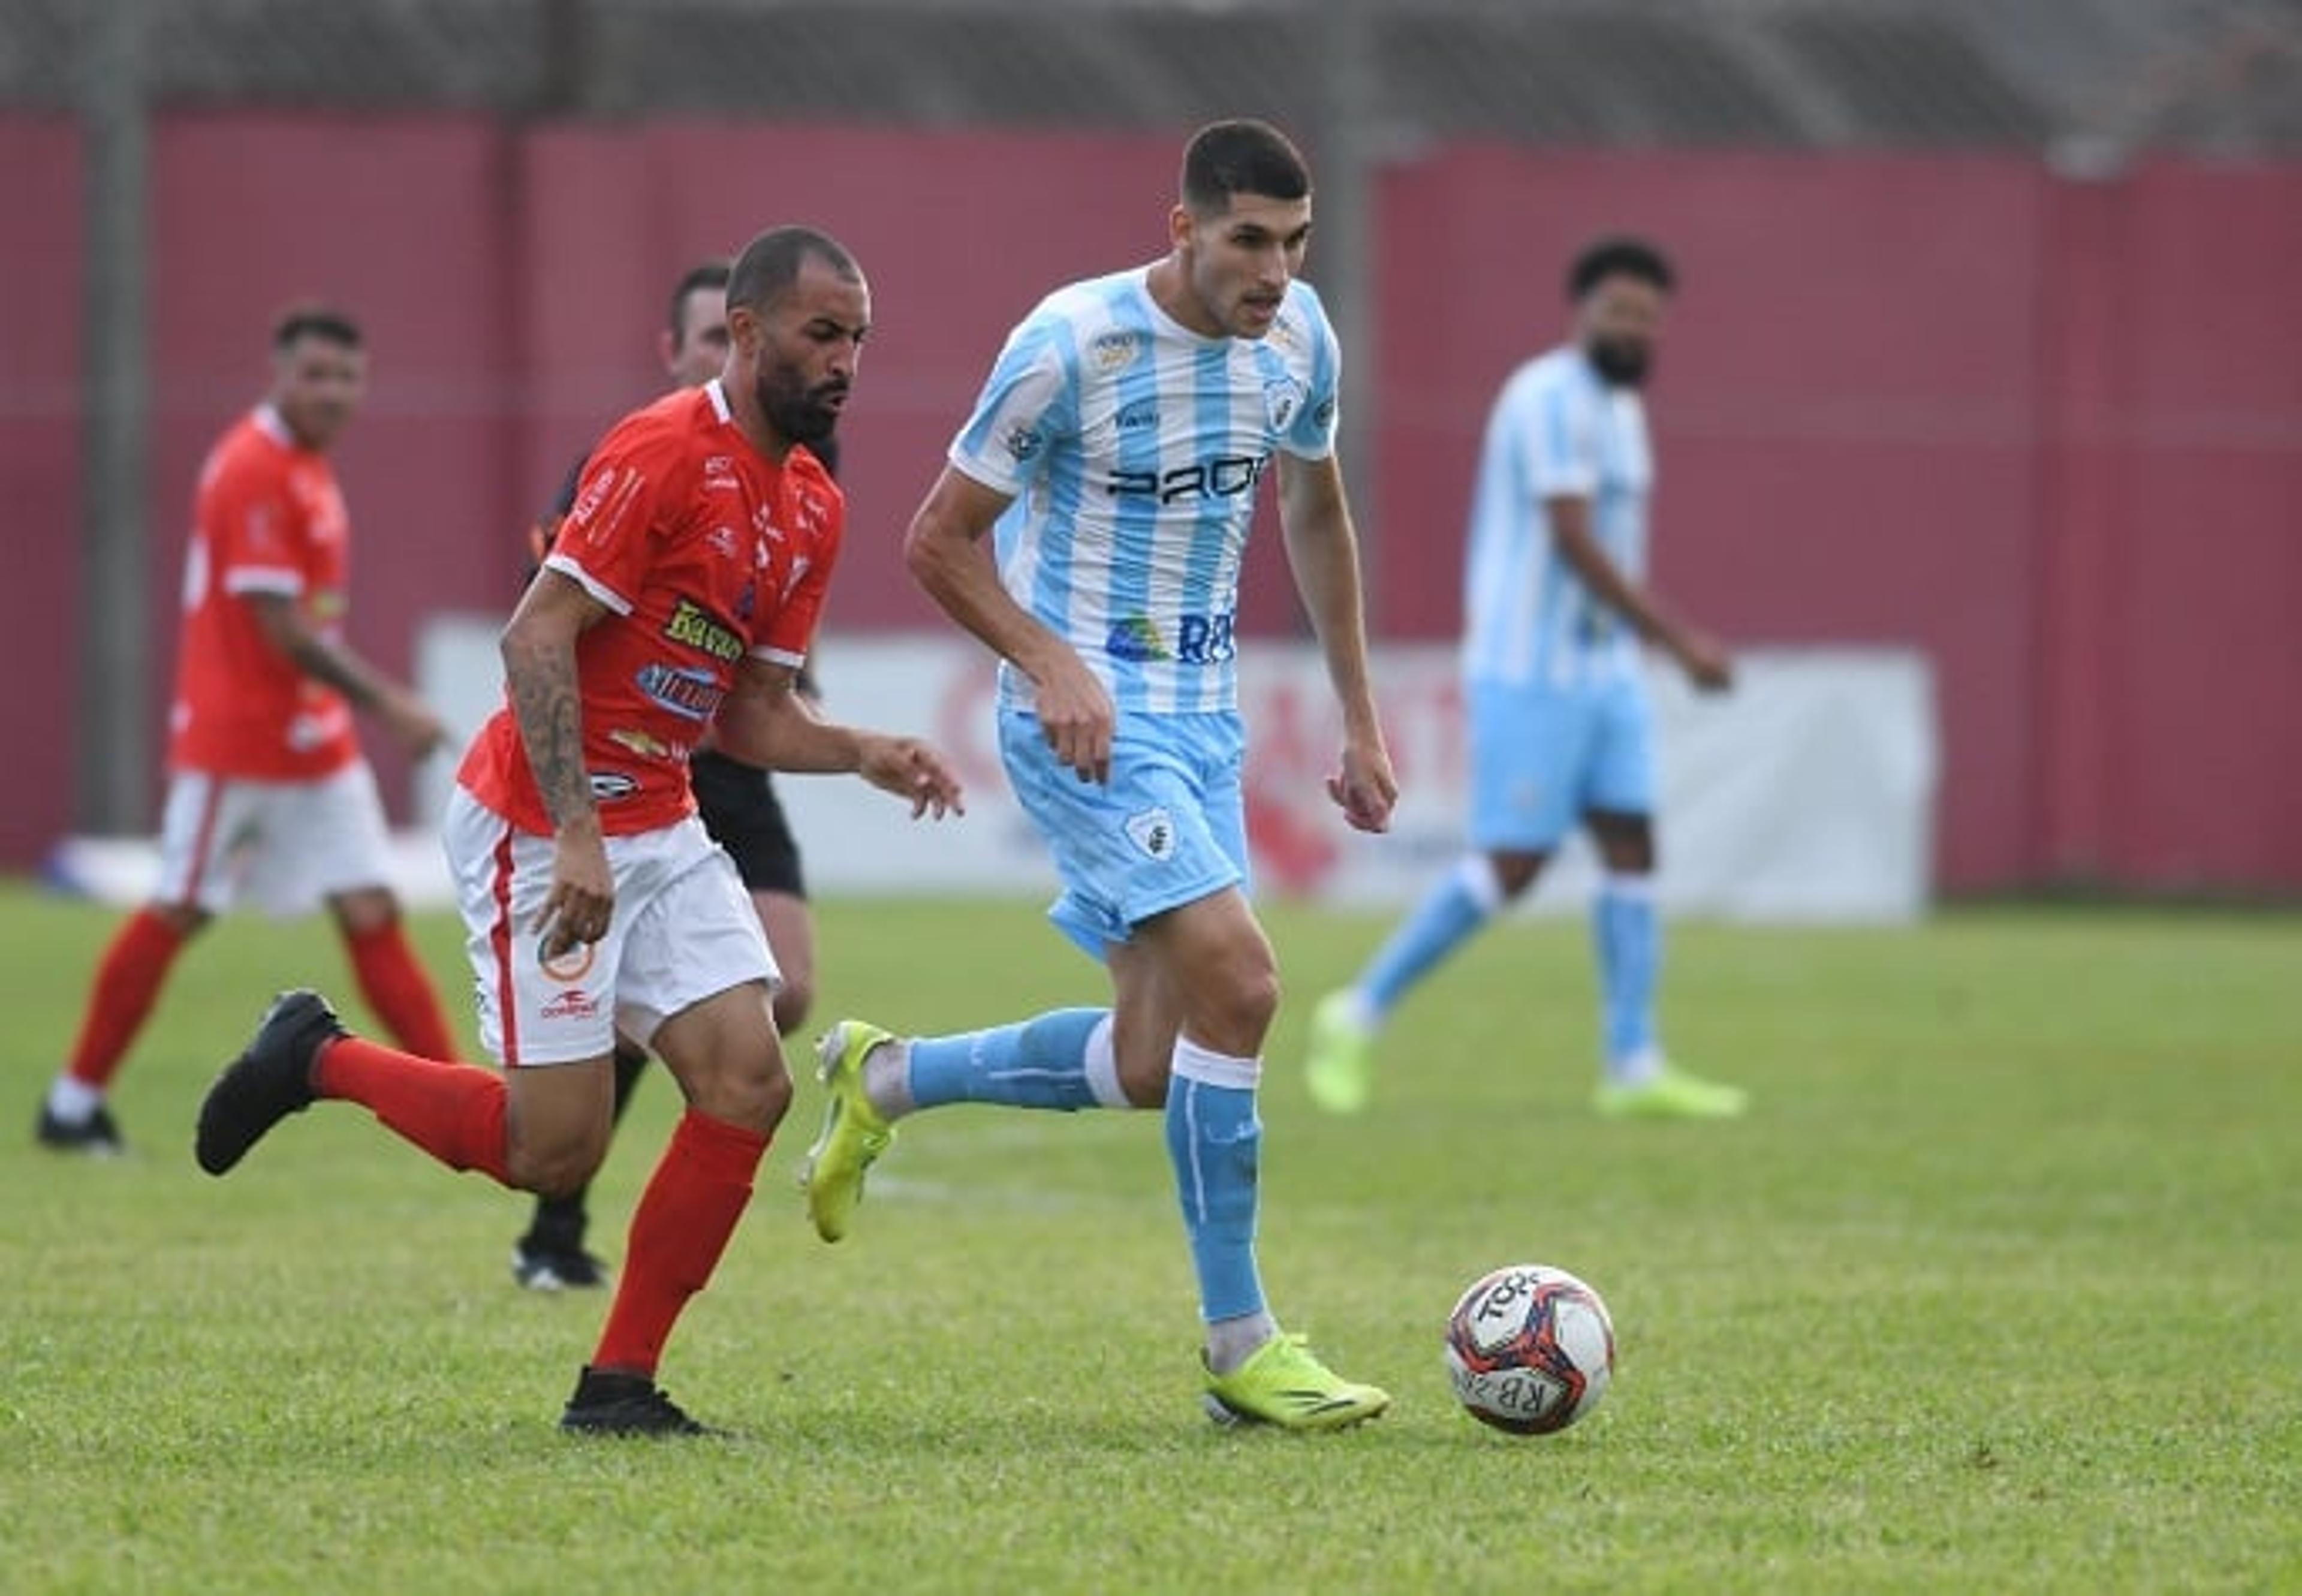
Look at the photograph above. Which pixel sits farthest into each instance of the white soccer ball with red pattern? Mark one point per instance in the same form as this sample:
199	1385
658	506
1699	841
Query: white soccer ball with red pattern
1530	1349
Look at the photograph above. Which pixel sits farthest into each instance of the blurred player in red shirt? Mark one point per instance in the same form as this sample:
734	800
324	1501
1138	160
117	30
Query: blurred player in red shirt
268	792
679	598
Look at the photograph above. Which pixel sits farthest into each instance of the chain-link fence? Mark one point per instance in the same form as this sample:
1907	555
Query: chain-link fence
1913	73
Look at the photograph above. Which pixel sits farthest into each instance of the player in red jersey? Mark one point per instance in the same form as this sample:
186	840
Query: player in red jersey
267	791
681	596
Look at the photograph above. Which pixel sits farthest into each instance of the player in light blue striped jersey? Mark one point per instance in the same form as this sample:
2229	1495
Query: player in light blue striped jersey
1557	608
1113	459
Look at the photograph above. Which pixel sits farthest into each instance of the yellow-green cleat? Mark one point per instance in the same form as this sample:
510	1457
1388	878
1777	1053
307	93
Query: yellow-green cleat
1339	1071
1284	1385
854	1134
1671	1094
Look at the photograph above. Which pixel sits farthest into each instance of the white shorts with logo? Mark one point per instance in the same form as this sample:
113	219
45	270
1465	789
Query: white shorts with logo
683	930
284	846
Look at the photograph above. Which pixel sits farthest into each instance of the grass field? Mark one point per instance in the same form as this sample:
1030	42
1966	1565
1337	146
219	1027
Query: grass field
1997	1290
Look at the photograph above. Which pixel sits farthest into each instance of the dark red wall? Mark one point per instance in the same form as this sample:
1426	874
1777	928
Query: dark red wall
2049	431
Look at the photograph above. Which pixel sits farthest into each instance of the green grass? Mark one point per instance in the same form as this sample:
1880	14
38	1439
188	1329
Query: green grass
1996	1290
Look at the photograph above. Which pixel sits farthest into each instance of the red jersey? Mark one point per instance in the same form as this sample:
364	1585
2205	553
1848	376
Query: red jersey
267	517
706	552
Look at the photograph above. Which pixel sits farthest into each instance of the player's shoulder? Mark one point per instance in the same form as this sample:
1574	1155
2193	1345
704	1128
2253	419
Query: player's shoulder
813	488
1555	372
255	452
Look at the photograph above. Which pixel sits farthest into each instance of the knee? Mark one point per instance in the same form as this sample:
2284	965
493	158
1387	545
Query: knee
555	1169
755	1098
1233	1013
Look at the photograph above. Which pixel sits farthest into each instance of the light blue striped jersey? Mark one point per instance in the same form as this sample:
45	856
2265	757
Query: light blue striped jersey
1133	447
1557	431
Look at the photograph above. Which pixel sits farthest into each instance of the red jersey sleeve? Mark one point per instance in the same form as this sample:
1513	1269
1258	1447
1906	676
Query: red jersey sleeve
256	536
631	493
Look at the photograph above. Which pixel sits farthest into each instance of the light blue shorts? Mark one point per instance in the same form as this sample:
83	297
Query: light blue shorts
1541	757
1168	829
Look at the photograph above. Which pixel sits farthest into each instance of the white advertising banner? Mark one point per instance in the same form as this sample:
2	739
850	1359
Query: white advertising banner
1806	794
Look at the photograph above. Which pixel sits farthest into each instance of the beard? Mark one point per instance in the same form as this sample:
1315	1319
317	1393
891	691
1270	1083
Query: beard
1621	363
802	414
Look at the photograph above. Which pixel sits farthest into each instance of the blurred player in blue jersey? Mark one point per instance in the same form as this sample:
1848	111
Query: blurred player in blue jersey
1113	458
1561	731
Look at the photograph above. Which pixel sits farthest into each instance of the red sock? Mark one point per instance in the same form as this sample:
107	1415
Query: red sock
397	988
453	1112
698	1192
127	982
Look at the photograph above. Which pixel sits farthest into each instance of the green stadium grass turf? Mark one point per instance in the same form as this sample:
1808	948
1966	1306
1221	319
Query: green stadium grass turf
1994	1292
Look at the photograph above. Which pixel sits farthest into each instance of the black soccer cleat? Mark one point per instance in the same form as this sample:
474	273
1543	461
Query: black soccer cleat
610	1404
271	1079
541	1264
95	1137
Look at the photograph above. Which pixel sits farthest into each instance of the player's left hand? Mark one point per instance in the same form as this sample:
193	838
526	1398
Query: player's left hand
1364	789
912	769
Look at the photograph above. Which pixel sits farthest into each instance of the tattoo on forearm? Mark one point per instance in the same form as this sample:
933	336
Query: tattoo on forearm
543	701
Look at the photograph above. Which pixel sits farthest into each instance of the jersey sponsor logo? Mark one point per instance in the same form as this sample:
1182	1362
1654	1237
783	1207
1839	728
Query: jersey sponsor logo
1023	441
594	494
688	692
1323	416
1153	830
610	786
1135	637
798	569
574	1004
691	624
643	743
1112	351
1226	476
1139	416
1199	640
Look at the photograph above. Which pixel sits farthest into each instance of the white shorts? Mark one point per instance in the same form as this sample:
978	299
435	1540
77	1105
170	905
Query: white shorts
285	845
684	930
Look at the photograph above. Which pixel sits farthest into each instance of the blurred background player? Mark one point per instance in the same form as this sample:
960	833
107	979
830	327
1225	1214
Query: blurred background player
1111	609
737	803
267	790
1561	730
682	593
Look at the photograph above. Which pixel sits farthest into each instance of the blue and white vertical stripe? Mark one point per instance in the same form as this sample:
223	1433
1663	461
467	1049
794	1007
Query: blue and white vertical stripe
1556	431
1133	447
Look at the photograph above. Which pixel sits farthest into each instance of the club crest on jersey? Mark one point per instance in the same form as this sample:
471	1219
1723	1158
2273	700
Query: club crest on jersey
1281	399
1113	349
1139	416
1153	831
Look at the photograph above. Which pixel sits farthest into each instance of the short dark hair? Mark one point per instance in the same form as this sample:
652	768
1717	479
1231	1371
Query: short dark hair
313	321
703	274
1241	155
771	264
1619	258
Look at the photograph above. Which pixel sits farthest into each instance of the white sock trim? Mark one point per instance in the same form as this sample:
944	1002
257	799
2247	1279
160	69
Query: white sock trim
1210	1068
1103	1067
72	1100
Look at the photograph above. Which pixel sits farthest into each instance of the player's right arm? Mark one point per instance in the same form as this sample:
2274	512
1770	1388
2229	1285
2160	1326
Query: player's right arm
538	656
1704	662
944	550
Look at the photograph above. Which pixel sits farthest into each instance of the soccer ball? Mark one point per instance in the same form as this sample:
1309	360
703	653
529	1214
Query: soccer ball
1530	1349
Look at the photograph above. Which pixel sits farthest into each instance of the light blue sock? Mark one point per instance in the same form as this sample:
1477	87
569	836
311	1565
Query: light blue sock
1215	1141
1628	934
1450	914
1040	1063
